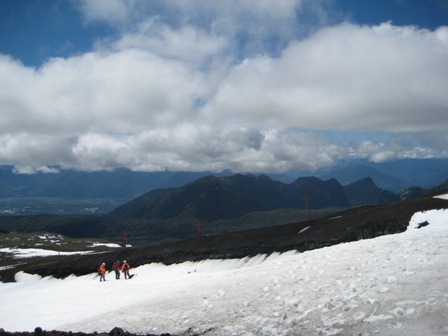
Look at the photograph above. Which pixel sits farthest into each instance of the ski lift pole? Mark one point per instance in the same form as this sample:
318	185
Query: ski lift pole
307	206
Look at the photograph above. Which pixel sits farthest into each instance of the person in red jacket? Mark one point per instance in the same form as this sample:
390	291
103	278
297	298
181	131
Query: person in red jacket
116	267
125	269
102	272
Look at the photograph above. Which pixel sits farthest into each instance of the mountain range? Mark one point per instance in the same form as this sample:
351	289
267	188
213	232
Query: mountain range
125	184
211	198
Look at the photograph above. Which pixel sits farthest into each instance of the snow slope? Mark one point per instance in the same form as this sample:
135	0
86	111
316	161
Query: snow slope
391	285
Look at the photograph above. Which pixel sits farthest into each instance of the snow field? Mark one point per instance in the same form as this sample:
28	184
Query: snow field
390	285
35	252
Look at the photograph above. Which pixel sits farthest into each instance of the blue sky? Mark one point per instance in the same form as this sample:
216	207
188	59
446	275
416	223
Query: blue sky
251	86
33	31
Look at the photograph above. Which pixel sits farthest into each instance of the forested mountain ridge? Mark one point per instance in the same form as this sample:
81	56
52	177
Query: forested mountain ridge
212	198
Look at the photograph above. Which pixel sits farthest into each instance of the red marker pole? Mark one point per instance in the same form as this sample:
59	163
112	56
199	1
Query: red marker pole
307	207
198	223
125	234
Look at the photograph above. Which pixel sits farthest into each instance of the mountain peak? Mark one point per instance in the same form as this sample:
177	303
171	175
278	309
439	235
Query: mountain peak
365	192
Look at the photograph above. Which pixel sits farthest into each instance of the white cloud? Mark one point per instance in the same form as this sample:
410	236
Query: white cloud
199	148
36	150
181	95
255	18
33	170
122	92
376	152
347	77
399	147
116	11
187	43
252	24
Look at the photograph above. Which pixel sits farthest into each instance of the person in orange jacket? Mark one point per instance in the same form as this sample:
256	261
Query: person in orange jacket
125	269
102	272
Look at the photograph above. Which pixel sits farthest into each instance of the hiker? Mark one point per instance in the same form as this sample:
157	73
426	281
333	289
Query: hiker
125	269
102	272
116	267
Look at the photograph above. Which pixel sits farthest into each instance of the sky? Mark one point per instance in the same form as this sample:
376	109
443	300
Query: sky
389	285
200	85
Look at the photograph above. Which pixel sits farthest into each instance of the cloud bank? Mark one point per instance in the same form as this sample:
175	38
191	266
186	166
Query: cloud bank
203	85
